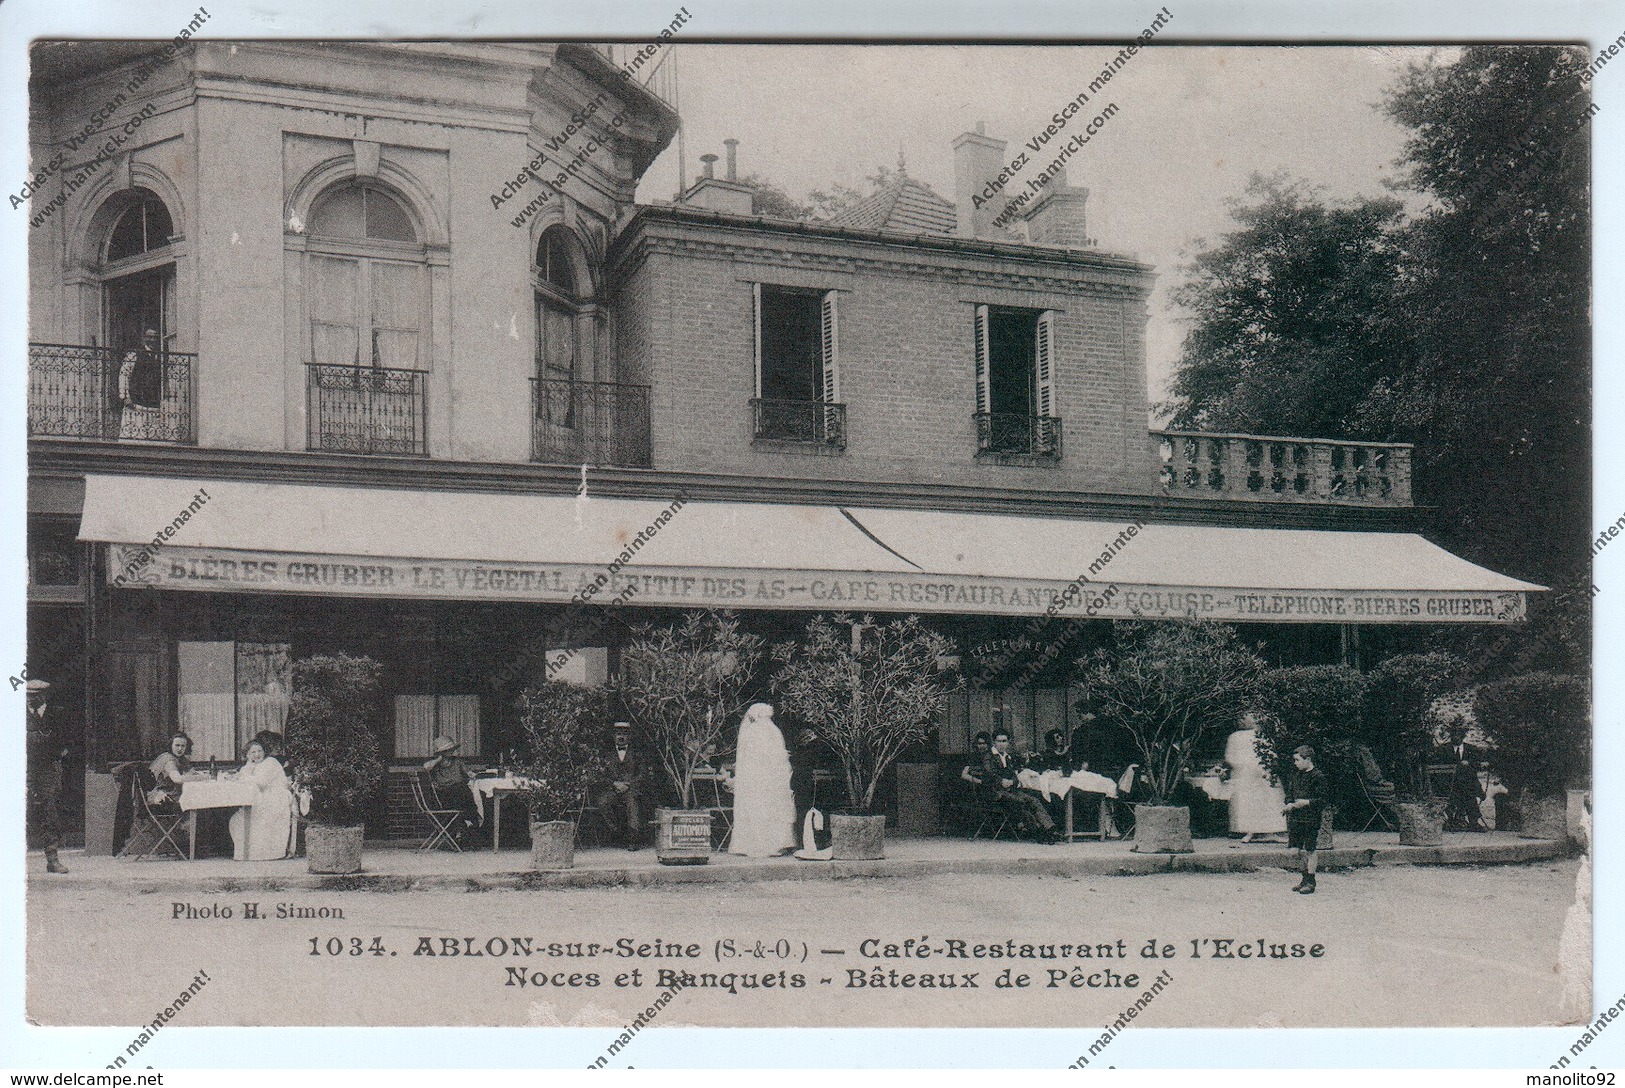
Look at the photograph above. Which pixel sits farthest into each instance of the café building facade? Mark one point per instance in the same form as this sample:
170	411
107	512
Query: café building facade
395	407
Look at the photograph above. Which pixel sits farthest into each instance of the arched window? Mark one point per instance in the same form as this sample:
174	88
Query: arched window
138	272
367	289
560	296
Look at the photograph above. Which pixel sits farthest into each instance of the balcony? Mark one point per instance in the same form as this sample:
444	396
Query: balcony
814	423
589	423
366	409
97	393
1010	435
1264	468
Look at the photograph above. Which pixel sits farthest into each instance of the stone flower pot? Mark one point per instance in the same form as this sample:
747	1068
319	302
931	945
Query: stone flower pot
684	836
331	849
857	838
1544	817
1421	823
1162	829
552	844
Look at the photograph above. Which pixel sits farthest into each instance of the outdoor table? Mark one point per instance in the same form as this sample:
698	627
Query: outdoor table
497	789
212	793
1047	783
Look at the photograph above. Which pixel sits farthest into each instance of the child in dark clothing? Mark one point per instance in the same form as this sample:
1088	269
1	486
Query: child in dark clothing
1308	798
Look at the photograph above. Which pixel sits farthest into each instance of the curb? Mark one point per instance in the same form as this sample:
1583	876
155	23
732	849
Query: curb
1516	853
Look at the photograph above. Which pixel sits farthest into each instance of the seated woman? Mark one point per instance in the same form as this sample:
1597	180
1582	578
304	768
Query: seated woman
263	830
975	771
170	770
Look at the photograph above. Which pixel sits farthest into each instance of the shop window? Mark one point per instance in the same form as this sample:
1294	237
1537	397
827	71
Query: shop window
1015	386
419	719
229	691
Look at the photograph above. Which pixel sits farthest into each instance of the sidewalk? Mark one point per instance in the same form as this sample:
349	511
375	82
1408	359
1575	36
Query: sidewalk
391	869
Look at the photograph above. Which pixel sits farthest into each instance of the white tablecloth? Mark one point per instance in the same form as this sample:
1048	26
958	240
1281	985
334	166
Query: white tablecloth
1056	784
217	793
486	787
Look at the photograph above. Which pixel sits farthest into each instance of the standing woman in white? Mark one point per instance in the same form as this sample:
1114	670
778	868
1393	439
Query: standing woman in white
764	807
1255	801
263	831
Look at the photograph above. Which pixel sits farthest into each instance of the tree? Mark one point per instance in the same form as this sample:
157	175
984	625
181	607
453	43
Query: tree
1398	722
867	694
828	203
1317	705
770	199
567	735
334	717
1169	687
682	685
1293	316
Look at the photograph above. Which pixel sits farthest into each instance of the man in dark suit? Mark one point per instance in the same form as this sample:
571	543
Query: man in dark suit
46	755
623	801
1464	813
999	770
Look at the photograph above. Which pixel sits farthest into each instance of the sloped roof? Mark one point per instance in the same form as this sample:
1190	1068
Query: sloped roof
904	207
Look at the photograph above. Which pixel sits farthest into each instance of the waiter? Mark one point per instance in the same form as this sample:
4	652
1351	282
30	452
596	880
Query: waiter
45	764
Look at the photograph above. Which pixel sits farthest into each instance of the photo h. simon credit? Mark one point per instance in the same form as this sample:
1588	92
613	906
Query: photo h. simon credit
1128	501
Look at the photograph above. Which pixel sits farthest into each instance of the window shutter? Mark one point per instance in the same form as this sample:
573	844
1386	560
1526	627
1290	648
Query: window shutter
983	365
1043	356
832	380
756	312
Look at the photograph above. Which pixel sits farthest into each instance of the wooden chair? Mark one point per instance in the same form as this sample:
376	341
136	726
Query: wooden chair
441	820
151	821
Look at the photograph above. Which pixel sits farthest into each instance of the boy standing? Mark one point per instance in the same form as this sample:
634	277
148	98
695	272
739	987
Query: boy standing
1308	793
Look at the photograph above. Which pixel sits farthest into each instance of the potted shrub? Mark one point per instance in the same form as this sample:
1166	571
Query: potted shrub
868	691
567	740
682	685
1317	705
1170	687
334	717
1539	725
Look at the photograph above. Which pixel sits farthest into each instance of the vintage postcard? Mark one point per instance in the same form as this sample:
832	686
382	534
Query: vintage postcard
678	529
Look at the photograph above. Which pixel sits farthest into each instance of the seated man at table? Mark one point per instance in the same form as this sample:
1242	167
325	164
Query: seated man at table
1000	768
449	776
622	802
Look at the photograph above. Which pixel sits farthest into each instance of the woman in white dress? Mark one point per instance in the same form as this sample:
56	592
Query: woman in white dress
262	831
1255	801
764	807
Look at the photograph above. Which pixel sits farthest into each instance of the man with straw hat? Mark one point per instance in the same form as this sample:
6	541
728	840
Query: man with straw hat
450	776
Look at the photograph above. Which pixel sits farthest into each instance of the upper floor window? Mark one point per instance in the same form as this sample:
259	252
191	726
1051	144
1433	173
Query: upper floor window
560	296
797	368
1015	382
141	228
368	282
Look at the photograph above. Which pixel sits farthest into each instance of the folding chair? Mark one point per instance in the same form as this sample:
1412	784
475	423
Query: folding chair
442	820
149	821
994	814
1381	799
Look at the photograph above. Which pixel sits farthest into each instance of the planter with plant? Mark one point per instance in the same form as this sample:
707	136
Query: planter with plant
1539	725
334	718
1171	688
868	691
1400	725
567	763
682	685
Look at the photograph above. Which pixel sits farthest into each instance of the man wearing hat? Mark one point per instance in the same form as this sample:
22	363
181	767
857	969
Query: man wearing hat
450	776
45	759
622	801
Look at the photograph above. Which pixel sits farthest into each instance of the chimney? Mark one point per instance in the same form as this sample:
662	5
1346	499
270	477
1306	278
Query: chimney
1057	218
716	194
977	161
733	158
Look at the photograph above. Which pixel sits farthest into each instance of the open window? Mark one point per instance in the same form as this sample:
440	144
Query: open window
1015	382
368	277
797	367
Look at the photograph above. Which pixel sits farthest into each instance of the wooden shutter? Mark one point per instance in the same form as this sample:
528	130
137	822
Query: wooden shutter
831	374
1043	359
984	397
756	315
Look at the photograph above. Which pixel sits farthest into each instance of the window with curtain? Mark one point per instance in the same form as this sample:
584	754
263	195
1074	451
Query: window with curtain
367	288
229	691
421	718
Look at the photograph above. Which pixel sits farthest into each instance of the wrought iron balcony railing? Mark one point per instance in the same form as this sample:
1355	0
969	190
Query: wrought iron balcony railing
589	423
366	409
88	392
1018	435
815	422
1272	469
